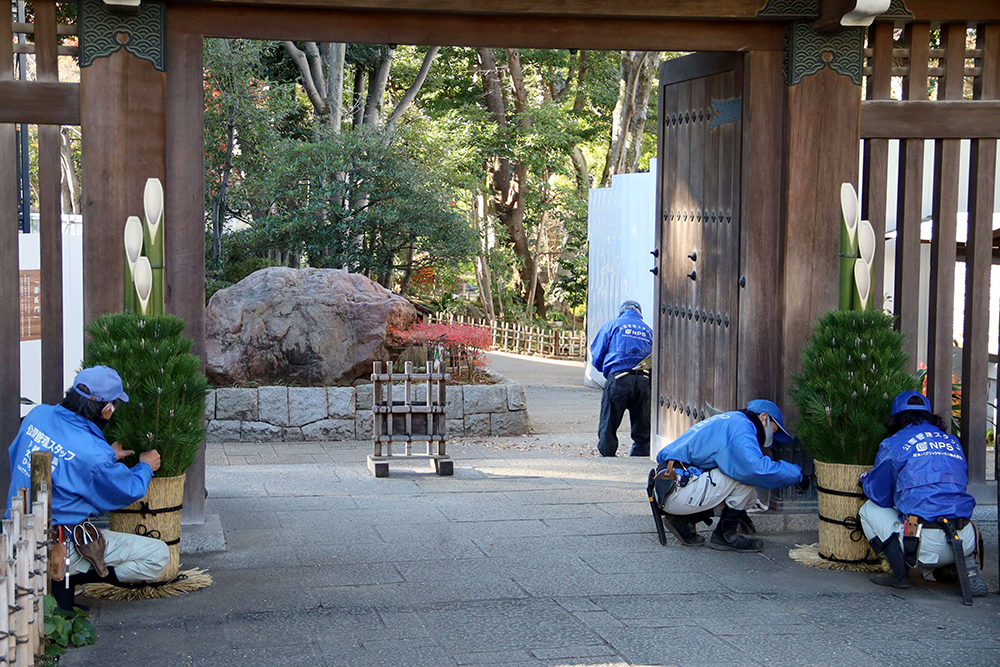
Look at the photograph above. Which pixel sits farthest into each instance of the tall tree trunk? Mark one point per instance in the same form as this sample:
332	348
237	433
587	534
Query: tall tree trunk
357	98
581	170
631	80
414	89
219	200
70	181
376	90
637	124
483	278
321	67
581	77
404	283
333	57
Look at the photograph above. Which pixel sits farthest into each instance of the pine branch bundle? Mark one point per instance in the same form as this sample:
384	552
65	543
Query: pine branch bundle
852	368
166	408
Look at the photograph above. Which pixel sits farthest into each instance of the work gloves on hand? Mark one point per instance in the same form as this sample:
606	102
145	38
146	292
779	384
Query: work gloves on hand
804	484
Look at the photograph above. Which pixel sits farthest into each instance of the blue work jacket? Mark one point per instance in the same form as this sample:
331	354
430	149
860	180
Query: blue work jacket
87	478
729	442
921	470
621	344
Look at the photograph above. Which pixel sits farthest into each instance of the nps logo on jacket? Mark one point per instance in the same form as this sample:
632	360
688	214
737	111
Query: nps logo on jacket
929	443
636	332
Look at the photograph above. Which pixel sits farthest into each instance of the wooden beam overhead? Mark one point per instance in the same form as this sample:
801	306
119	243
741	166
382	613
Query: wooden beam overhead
925	119
738	9
389	27
39	103
922	10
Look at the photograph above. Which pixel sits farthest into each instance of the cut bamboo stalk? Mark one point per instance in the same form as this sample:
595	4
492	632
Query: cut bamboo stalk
143	280
152	204
133	250
849	216
862	284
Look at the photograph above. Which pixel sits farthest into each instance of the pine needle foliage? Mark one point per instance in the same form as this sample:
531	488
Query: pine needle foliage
852	368
166	408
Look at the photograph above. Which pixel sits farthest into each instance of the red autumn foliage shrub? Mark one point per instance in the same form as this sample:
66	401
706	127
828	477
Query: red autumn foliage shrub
461	345
461	335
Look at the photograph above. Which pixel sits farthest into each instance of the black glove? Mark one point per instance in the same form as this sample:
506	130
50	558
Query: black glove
804	484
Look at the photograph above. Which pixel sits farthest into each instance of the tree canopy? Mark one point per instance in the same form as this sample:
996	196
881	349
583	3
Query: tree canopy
421	167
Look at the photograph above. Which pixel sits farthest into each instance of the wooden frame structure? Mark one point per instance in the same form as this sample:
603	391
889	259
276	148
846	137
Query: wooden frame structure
409	421
140	106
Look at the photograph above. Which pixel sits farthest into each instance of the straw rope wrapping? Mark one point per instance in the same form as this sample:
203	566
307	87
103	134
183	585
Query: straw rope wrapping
842	544
157	514
808	554
185	582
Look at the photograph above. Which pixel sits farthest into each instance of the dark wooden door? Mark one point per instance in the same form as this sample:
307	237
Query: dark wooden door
698	240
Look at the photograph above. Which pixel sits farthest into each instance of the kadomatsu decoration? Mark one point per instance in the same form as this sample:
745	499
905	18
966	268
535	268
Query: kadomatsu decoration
165	412
852	368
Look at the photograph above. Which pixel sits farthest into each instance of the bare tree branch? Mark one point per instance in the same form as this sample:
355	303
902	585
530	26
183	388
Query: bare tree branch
300	60
414	89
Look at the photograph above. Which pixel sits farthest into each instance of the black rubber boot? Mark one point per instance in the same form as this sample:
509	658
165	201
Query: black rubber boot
65	597
900	575
683	528
726	536
976	583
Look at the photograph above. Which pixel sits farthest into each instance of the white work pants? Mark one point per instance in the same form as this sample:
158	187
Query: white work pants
883	522
134	557
708	490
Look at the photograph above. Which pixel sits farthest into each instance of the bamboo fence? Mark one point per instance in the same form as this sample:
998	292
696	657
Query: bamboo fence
24	554
522	339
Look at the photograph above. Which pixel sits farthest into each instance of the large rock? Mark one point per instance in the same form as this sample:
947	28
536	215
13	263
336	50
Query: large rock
312	326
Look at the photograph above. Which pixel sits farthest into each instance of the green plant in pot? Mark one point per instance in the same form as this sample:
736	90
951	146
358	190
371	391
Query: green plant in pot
165	412
852	367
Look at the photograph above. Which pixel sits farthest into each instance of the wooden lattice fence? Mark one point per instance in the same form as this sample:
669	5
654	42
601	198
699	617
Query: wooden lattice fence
939	83
523	339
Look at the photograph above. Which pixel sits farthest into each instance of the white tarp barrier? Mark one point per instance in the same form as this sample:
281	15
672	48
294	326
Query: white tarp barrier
29	256
621	223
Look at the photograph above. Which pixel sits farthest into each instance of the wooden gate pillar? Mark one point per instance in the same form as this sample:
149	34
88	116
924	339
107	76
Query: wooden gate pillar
125	119
122	114
823	75
822	139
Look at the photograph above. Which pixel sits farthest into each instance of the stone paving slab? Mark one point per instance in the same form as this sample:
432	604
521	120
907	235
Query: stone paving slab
329	566
536	553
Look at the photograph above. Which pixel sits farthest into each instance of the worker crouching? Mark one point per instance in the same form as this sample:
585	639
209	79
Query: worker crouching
717	462
919	508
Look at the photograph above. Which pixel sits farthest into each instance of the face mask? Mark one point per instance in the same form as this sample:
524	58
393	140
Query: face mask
101	421
768	432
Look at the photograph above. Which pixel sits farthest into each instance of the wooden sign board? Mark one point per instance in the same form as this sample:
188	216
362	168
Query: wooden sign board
30	288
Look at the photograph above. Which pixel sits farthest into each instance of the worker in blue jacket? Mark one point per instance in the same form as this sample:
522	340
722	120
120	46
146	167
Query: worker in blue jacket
719	461
616	352
88	479
918	508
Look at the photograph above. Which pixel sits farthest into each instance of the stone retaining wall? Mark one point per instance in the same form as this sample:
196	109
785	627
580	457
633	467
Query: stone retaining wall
296	414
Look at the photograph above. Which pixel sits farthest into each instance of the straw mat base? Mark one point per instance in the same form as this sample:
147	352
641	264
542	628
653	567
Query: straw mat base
808	554
185	582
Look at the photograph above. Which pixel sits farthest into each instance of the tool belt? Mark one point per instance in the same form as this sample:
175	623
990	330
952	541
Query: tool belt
913	530
914	526
666	479
90	544
634	371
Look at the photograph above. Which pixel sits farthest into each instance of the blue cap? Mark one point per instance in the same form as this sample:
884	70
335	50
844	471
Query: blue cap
764	406
630	305
902	402
104	383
